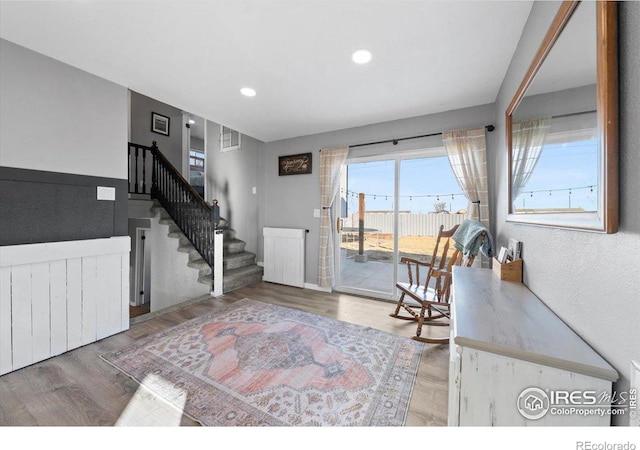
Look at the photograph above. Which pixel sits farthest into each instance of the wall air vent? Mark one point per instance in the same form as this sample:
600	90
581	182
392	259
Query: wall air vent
229	139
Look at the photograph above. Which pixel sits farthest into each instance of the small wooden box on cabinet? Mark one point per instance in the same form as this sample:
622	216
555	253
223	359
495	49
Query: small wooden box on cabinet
509	271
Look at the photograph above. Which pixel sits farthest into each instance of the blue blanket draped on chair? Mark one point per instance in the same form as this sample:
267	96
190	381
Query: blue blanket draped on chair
467	239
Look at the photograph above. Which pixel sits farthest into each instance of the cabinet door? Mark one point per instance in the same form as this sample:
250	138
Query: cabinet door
491	384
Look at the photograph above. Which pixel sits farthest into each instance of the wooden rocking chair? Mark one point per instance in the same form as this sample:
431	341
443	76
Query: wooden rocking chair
429	302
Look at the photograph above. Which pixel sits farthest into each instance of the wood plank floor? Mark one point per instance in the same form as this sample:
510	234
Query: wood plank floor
135	311
78	388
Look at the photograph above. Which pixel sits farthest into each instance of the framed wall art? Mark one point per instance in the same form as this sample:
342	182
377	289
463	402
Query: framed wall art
159	124
294	164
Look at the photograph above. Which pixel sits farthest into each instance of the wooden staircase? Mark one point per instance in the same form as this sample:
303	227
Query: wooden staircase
239	266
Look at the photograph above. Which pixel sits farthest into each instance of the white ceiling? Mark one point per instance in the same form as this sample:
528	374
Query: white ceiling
428	56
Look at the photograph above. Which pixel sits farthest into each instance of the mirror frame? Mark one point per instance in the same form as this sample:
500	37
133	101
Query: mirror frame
605	220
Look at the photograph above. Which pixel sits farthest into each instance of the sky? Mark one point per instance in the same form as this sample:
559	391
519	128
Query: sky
573	165
418	178
426	181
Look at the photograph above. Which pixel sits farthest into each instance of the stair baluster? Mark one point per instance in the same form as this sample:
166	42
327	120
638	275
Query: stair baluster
175	194
195	219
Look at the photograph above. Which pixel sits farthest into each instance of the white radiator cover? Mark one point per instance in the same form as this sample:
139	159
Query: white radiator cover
58	296
284	255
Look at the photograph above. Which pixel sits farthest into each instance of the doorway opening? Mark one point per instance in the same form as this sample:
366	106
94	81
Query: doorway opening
140	301
194	141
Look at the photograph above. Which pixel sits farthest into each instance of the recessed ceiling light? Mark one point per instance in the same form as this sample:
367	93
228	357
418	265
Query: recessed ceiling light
361	56
248	92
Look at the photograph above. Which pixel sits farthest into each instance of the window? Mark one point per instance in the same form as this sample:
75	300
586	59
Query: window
229	139
564	175
196	160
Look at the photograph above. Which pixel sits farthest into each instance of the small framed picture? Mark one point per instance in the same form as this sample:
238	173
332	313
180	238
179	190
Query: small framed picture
502	255
159	124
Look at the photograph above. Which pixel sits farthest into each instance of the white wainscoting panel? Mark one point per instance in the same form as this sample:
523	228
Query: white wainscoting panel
58	299
55	297
284	253
5	319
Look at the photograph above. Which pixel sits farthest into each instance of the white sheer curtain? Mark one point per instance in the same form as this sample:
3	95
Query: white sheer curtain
528	138
467	152
331	162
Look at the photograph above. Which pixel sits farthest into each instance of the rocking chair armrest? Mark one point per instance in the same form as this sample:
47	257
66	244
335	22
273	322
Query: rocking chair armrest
415	268
418	262
441	273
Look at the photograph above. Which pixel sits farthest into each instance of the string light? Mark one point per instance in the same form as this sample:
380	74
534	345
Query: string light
355	194
568	189
386	196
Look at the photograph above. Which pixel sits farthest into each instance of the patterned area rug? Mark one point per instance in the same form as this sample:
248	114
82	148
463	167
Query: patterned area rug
254	363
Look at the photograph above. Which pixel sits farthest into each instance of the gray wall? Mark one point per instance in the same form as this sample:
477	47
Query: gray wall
196	143
170	146
289	201
63	134
567	101
230	179
57	118
588	279
39	206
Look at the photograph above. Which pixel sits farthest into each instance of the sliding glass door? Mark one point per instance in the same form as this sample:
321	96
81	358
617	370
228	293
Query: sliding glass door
392	208
367	229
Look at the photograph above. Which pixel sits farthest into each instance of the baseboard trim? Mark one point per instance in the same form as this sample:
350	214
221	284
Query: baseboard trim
168	309
315	287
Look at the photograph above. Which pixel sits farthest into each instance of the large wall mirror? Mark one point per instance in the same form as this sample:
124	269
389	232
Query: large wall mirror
562	138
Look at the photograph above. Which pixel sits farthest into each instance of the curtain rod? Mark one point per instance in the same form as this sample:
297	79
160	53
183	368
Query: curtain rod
395	141
579	113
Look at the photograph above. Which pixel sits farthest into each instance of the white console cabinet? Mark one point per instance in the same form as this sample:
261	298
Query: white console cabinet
511	356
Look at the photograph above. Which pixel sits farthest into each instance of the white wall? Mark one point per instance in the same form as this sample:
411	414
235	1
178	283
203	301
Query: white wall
60	119
289	201
231	177
55	297
588	279
172	281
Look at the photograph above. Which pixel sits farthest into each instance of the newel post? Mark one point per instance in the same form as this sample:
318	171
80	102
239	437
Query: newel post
215	213
218	242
